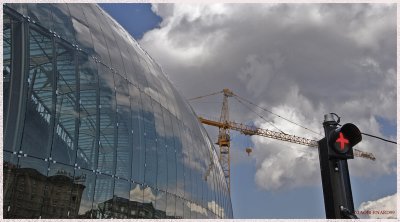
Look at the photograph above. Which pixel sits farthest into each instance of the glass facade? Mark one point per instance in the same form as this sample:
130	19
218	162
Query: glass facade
92	126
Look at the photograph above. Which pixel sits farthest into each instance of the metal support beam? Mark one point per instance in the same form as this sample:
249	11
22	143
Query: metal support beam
18	87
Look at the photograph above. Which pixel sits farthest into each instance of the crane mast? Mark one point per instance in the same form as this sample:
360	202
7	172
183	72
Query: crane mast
224	141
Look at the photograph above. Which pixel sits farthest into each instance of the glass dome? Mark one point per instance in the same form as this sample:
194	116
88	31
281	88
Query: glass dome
92	126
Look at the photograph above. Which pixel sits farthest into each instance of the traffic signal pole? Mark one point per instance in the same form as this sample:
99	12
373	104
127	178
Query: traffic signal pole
335	177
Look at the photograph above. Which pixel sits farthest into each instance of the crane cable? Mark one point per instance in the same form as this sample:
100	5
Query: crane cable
377	137
275	114
366	134
199	97
258	115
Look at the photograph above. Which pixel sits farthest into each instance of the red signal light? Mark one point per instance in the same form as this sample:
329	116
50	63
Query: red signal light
342	140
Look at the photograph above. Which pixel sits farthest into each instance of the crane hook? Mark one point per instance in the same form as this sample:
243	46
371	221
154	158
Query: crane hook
248	151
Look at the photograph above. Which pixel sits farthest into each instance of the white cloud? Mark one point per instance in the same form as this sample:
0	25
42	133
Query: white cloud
298	60
196	208
217	209
142	195
383	208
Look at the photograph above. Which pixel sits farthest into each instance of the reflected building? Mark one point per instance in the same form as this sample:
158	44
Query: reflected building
93	128
60	198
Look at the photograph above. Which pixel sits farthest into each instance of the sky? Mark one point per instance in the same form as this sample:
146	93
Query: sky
300	61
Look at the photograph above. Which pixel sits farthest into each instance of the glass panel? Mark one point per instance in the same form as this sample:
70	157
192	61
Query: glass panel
36	133
76	11
171	156
6	67
139	74
205	200
57	196
107	152
63	149
112	45
123	45
41	13
211	193
150	143
82	30
149	199
21	8
186	209
124	146
9	180
179	158
195	210
161	149
138	158
30	182
62	22
86	154
81	205
99	43
152	90
194	166
136	201
194	184
161	205
187	155
155	83
170	205
103	197
179	208
121	199
218	193
166	89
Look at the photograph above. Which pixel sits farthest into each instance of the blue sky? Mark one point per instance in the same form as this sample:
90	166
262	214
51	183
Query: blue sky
248	199
136	18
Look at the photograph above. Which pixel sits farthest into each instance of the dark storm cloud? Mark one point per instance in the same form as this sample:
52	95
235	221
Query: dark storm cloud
300	60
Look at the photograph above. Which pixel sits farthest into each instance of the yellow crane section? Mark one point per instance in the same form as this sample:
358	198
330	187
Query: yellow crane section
251	130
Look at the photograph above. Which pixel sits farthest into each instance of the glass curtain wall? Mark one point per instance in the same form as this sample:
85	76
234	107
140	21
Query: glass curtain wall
93	128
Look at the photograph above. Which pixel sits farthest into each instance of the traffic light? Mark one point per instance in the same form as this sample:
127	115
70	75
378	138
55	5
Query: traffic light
334	150
341	141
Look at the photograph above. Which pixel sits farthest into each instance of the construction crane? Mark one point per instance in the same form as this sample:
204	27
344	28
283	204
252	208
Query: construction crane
225	125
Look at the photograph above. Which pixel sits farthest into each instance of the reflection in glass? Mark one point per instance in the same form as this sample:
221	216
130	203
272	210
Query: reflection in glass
41	12
38	115
103	197
86	179
107	152
58	195
161	205
161	150
6	66
29	181
88	107
150	141
124	143
171	204
99	44
63	147
9	164
179	207
121	202
62	22
138	150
